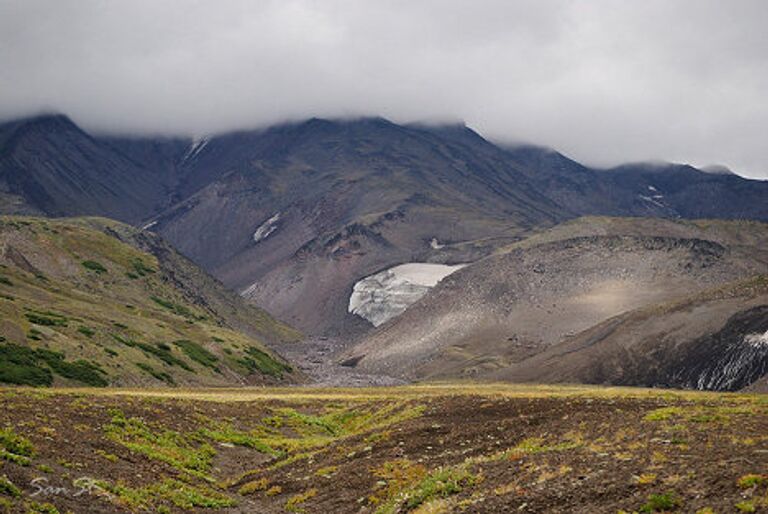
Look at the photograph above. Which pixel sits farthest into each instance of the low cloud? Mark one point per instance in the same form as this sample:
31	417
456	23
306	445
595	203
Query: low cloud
604	81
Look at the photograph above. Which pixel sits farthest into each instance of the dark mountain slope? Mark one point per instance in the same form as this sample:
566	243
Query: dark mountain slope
687	192
50	166
161	157
303	211
642	189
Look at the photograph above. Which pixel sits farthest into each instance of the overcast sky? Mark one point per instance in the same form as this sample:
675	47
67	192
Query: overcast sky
604	81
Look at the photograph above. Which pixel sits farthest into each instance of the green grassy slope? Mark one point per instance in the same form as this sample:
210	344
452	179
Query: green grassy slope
93	302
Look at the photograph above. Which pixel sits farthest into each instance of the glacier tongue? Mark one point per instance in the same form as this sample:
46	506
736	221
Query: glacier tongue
384	295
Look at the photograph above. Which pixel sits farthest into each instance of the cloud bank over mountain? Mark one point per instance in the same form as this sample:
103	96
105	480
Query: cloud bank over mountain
603	81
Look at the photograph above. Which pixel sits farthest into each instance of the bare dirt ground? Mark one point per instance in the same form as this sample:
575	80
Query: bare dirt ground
426	449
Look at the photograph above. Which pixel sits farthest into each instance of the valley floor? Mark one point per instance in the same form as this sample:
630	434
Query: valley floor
318	358
426	448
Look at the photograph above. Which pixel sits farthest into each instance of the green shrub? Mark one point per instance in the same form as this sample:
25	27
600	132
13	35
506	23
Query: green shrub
24	366
86	331
8	488
94	266
46	319
160	375
181	310
162	351
15	443
19	365
155	497
42	508
5	280
261	361
142	269
80	370
440	484
752	480
295	503
197	353
746	506
661	503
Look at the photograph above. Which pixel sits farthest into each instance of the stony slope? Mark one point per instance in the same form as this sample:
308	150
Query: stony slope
305	210
92	301
713	340
504	316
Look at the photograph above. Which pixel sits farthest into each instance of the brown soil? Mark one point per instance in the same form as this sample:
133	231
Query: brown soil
593	452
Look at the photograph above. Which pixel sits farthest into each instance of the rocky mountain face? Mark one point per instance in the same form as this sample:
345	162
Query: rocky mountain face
620	301
294	215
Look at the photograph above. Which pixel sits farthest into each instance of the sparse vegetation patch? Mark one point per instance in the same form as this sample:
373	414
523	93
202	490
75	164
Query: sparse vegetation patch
259	360
198	354
94	266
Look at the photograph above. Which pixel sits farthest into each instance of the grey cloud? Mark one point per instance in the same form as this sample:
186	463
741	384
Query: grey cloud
605	81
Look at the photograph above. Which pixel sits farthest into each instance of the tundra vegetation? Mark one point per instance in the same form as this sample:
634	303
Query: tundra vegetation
428	448
79	306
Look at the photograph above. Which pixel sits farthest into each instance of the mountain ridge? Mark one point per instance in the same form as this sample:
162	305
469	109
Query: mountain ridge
347	197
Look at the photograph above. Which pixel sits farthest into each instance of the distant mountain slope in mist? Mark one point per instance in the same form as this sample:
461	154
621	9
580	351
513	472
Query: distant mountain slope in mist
293	215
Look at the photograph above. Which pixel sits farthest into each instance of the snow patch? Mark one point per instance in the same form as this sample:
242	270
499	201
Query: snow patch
435	244
742	362
198	143
653	199
757	340
266	228
385	295
149	225
248	291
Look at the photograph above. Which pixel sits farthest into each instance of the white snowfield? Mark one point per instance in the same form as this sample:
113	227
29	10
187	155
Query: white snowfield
266	228
384	295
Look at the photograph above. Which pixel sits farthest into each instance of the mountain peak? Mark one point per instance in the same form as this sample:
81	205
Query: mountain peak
44	118
717	169
47	123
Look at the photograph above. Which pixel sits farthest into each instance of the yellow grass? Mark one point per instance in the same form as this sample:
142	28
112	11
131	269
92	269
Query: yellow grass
247	394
